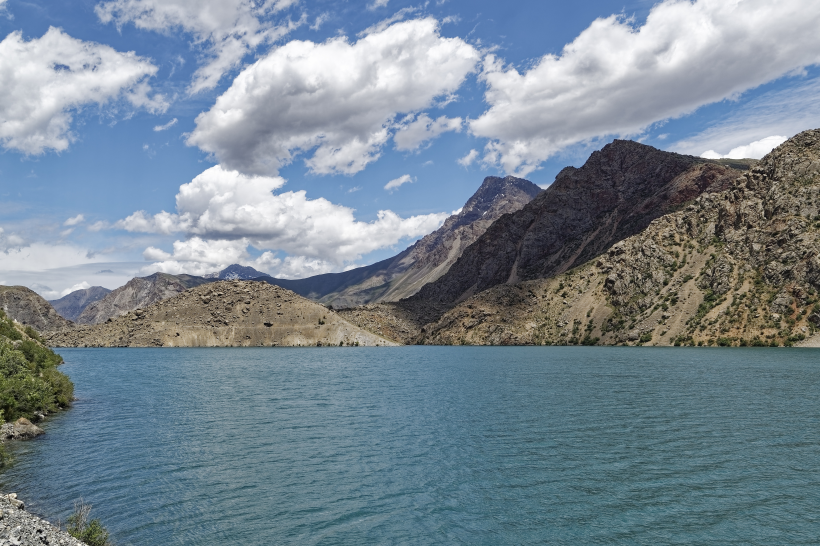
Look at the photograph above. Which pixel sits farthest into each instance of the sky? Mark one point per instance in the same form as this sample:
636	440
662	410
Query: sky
310	136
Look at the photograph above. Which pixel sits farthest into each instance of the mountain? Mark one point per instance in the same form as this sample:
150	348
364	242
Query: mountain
234	272
29	309
223	314
739	266
614	195
426	260
137	293
71	305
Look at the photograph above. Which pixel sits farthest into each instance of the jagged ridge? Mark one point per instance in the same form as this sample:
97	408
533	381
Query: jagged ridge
735	267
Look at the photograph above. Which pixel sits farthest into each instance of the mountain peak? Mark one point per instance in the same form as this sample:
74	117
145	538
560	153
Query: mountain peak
234	272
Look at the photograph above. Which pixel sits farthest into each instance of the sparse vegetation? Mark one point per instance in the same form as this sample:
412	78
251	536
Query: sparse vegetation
90	531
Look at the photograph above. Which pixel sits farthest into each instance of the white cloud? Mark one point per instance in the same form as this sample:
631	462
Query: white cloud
320	20
468	159
166	126
412	135
79	219
377	4
45	80
223	212
79	286
227	30
39	256
755	150
397	182
336	99
616	79
780	112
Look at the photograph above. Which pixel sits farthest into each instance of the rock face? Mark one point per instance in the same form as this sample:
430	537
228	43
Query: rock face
137	293
19	527
740	266
70	306
616	194
223	314
426	260
29	309
21	429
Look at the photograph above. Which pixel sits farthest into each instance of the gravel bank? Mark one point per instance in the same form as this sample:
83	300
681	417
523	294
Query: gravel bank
19	528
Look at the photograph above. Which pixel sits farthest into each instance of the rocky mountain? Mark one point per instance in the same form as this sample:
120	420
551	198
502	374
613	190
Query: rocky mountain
223	314
71	305
737	266
137	293
29	309
234	272
425	261
614	195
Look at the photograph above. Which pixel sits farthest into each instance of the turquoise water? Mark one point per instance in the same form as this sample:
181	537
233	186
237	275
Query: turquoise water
435	445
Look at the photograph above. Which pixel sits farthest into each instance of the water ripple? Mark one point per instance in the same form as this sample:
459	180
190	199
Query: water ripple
428	445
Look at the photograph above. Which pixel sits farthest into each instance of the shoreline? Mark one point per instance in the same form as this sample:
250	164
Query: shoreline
22	528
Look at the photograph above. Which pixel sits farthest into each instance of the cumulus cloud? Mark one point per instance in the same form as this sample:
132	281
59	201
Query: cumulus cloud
468	159
617	79
397	182
224	212
754	150
79	219
336	101
226	30
167	126
45	80
413	134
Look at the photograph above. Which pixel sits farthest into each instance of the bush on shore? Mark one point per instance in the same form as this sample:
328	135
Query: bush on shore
82	528
29	380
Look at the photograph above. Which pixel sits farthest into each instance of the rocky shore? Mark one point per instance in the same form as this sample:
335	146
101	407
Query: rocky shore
19	528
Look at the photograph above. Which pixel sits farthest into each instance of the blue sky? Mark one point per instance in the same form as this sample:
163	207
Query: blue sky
307	136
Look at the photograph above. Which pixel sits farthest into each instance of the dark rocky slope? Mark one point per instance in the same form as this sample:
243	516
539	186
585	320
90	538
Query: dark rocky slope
426	260
615	194
734	267
137	293
71	305
29	309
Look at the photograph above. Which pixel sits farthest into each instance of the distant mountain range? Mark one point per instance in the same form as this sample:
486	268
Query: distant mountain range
637	246
388	280
223	313
73	304
426	260
137	293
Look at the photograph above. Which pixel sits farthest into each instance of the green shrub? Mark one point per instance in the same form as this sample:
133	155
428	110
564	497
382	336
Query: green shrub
33	334
80	527
29	380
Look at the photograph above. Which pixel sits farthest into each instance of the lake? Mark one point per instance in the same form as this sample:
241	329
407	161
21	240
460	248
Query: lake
435	445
